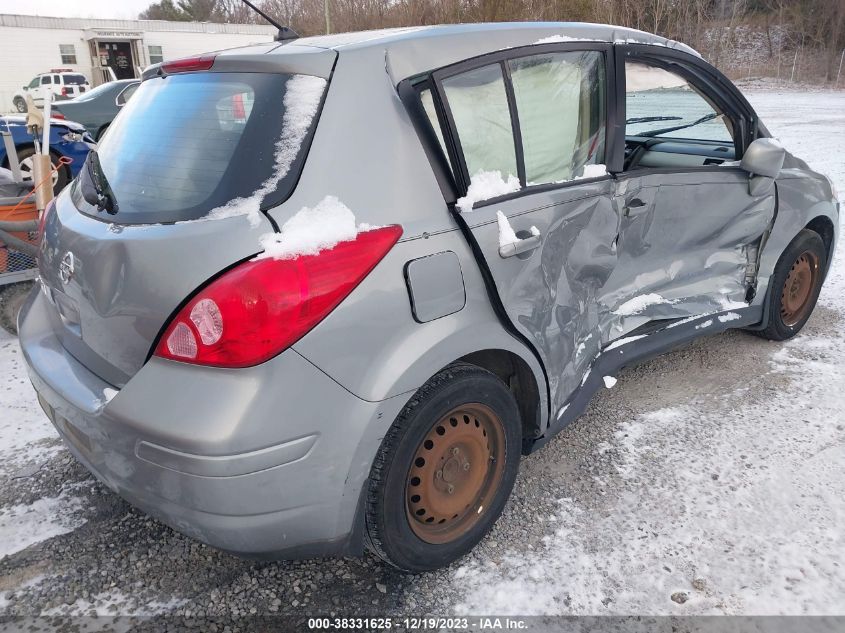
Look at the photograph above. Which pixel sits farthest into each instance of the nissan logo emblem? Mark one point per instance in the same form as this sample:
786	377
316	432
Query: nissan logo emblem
66	267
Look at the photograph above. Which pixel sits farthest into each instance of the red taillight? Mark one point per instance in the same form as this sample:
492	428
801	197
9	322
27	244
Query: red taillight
42	221
263	306
188	64
57	115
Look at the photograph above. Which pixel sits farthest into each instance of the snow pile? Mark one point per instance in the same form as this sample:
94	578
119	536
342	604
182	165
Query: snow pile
729	304
730	316
114	602
555	39
485	185
609	381
507	235
24	525
640	303
302	98
623	341
313	229
590	171
593	171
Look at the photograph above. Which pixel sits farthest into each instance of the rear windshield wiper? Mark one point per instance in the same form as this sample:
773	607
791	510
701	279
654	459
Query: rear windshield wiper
95	187
649	119
666	130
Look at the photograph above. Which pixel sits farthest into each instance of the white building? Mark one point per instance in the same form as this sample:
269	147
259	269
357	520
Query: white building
104	49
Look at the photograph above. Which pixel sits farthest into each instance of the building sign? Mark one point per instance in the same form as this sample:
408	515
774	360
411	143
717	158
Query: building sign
122	34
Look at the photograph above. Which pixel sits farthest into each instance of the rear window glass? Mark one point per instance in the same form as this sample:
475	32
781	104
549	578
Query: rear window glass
191	144
75	80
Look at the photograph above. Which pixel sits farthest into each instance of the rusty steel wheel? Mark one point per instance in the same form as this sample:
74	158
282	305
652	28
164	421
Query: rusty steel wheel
444	470
456	469
794	287
795	300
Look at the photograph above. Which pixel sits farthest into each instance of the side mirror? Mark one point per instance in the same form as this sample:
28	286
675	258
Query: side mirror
763	160
26	87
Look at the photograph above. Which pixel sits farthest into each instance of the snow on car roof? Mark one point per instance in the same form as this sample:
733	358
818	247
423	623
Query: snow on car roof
542	30
412	50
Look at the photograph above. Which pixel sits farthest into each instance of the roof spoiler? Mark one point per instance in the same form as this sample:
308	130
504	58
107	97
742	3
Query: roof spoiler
285	34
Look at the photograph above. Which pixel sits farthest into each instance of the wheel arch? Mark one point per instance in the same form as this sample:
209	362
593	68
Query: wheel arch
515	372
823	225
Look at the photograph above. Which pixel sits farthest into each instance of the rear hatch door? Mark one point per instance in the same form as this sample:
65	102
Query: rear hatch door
187	170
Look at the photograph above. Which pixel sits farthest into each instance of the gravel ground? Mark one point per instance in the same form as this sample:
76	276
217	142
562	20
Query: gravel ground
90	552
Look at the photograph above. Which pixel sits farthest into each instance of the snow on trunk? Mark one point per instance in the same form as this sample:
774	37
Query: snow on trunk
313	229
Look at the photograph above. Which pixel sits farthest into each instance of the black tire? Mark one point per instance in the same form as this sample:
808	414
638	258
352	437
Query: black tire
63	174
806	249
20	104
102	131
12	297
389	528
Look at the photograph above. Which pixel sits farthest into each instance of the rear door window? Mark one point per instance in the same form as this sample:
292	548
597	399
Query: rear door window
189	144
526	120
560	100
479	105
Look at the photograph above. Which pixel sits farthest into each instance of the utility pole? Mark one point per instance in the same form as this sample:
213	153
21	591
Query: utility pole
328	23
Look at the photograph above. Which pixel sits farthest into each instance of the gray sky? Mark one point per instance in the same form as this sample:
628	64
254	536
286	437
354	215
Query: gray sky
76	8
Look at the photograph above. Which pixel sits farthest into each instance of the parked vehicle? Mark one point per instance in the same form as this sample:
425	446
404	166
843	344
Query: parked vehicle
66	139
63	83
311	296
97	108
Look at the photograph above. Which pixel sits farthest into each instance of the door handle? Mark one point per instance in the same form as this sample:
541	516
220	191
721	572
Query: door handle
633	205
521	246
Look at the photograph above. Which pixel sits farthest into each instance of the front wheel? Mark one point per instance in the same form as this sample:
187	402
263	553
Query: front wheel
20	104
445	470
795	285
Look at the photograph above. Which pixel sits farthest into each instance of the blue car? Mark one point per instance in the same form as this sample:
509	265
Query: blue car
66	139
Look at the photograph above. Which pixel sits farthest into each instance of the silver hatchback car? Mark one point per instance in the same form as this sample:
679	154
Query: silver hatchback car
322	294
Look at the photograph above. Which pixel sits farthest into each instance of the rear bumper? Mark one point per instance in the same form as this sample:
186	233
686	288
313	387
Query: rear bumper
268	461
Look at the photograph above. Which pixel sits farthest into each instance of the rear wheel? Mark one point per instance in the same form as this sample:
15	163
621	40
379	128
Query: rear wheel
795	286
445	470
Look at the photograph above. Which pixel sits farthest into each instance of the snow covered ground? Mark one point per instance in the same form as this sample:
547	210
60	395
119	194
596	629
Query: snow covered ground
709	480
